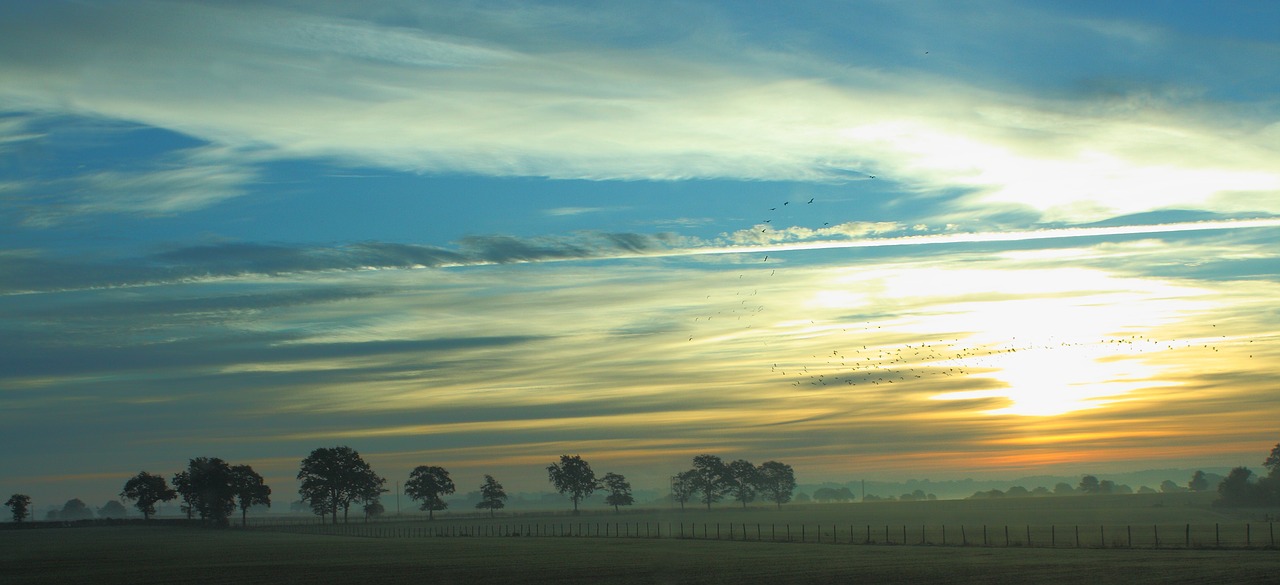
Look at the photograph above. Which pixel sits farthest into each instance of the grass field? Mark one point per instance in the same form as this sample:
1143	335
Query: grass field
314	554
1164	520
140	554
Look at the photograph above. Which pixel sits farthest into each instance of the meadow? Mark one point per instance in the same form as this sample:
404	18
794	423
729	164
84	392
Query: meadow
281	550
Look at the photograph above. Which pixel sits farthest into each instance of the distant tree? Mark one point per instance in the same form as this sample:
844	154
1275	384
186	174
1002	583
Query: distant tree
373	510
683	487
75	509
20	505
1017	491
213	485
619	491
1236	489
334	477
711	477
1146	490
1107	486
429	484
113	509
573	476
1089	485
1199	482
250	490
182	484
825	494
744	481
492	495
1063	489
777	482
1169	487
145	490
1039	491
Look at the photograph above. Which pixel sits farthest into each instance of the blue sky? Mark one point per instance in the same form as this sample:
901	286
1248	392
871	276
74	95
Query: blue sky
869	239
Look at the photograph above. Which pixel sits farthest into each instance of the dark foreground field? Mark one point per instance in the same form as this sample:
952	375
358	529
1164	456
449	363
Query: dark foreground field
139	554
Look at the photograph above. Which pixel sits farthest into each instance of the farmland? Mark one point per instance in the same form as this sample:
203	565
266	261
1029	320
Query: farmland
312	553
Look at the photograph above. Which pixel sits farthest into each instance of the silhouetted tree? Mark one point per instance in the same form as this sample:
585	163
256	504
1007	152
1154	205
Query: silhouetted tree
776	481
75	509
334	477
146	490
373	510
1236	489
1089	485
1169	487
1107	486
744	481
711	476
20	505
492	495
112	509
1063	489
619	491
182	484
573	476
213	486
683	487
429	484
250	490
1199	482
1272	462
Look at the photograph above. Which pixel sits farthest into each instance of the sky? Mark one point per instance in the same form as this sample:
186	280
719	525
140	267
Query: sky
870	239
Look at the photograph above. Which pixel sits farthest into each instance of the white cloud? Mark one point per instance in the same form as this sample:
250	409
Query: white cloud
473	100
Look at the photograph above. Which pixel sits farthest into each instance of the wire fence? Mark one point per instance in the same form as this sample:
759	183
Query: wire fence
1228	535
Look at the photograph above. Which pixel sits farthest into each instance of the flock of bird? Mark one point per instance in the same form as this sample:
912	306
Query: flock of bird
859	360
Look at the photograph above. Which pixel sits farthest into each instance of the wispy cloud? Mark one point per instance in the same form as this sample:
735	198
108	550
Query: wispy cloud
187	181
474	101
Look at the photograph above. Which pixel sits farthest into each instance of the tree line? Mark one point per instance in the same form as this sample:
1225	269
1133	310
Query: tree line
333	479
711	479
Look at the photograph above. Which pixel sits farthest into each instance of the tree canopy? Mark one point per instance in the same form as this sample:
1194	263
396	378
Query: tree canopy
429	484
20	505
711	478
334	477
250	490
777	482
744	481
212	485
619	490
683	487
145	490
573	476
492	495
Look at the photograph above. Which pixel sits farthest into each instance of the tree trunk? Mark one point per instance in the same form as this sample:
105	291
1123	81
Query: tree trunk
244	513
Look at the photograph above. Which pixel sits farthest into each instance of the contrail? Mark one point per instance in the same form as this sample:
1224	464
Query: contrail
977	237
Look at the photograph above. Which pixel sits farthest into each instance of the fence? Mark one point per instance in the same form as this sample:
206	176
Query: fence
1247	535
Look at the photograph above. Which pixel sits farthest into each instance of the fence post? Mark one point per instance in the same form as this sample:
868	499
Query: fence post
1155	529
944	534
1188	536
1028	535
1248	534
1077	536
1006	536
1217	535
964	539
1130	530
868	541
1102	533
984	535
